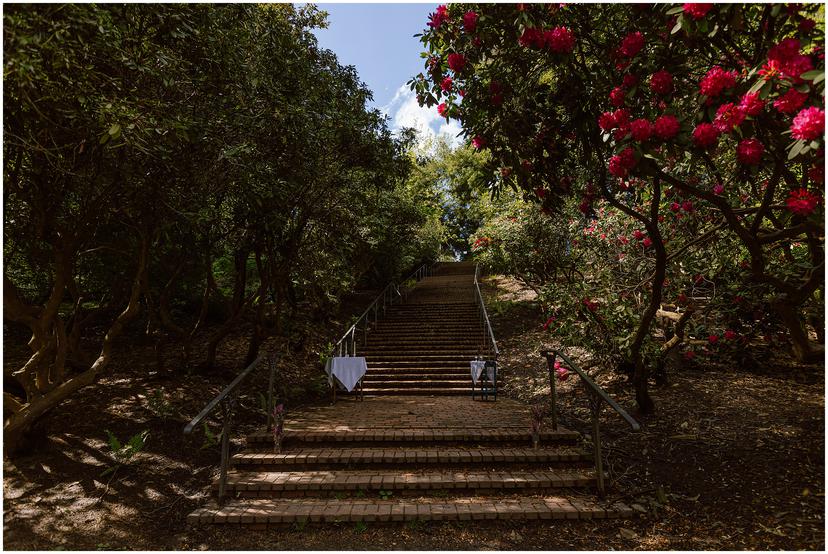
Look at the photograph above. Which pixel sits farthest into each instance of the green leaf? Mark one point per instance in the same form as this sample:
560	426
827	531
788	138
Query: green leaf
674	11
796	149
677	27
814	145
114	443
757	85
115	131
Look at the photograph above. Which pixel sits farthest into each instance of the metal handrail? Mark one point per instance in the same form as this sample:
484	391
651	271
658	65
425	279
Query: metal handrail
226	400
485	314
597	397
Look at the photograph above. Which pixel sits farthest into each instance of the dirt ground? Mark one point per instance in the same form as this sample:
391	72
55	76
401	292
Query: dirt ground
731	460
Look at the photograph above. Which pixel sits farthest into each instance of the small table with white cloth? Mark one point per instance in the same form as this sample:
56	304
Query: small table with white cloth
487	382
348	371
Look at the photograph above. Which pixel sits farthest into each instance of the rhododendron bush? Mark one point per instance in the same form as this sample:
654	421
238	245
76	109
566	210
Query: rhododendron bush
715	111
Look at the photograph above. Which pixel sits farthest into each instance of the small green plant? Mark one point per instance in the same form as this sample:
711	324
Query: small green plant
158	404
123	454
325	353
210	438
360	527
360	493
385	495
340	496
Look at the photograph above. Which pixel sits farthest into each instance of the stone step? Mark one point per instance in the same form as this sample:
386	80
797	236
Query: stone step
387	375
433	356
382	369
420	391
421	383
414	435
410	456
272	511
330	483
406	363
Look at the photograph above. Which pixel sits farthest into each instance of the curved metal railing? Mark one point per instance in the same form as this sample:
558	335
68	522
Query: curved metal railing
597	398
488	333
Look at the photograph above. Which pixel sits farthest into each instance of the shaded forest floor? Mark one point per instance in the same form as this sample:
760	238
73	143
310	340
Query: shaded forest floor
733	459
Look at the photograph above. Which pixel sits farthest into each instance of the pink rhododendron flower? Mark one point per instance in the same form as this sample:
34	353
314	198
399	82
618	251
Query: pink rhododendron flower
751	104
621	116
456	62
532	37
730	334
591	305
445	84
617	97
675	206
629	81
641	129
687	206
713	339
560	39
807	25
705	135
442	109
606	121
749	151
661	82
809	124
540	192
717	80
666	127
478	142
622	163
470	21
689	355
791	101
718	188
548	323
802	202
638	234
438	17
631	44
728	116
697	11
647	242
562	373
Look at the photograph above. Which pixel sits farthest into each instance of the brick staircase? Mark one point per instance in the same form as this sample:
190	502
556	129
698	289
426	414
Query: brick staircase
424	345
427	453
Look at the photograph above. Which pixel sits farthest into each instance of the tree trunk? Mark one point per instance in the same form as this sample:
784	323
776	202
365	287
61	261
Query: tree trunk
803	348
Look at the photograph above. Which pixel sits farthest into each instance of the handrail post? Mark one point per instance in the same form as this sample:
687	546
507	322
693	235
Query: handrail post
270	379
553	389
595	405
227	415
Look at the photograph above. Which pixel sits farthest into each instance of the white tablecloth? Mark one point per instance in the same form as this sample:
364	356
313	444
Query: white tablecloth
349	370
477	367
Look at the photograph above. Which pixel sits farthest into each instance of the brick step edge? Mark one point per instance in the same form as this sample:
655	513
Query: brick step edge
326	483
425	435
264	511
341	456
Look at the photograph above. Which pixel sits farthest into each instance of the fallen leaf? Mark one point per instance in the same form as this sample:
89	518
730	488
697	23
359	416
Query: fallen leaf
627	533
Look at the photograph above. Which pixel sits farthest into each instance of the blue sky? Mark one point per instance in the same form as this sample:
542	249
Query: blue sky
378	39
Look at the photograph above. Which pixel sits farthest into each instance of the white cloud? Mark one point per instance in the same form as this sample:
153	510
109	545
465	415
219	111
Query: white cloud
404	111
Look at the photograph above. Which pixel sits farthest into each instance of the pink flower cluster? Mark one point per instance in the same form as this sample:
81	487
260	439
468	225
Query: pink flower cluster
445	85
661	82
479	142
470	21
790	101
749	151
728	116
697	11
622	163
809	124
631	44
456	62
716	81
705	135
439	17
785	60
666	127
558	39
802	202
